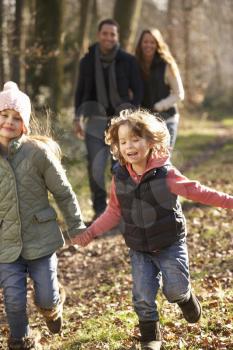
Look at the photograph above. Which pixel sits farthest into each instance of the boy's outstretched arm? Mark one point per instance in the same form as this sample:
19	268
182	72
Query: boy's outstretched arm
195	191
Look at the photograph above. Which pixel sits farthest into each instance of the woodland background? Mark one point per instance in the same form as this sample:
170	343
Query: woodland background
41	42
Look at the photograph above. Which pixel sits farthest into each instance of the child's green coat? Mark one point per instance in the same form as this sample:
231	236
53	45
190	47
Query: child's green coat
28	224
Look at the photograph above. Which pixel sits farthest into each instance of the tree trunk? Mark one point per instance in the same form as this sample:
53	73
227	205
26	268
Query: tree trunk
188	25
48	33
4	48
1	45
187	9
127	14
19	44
171	27
86	8
88	15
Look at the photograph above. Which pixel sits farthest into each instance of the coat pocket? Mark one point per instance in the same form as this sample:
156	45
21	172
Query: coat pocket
45	215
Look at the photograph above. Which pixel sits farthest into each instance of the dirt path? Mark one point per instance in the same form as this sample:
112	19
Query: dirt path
224	135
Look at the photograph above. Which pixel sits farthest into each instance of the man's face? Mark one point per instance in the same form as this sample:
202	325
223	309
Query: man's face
107	37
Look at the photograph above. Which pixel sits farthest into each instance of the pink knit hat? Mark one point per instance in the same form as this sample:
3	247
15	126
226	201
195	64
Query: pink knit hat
12	98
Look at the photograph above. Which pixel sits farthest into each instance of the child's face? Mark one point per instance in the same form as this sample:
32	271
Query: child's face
11	125
134	149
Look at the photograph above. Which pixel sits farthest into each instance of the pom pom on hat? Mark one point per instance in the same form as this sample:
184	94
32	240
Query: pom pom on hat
12	98
10	85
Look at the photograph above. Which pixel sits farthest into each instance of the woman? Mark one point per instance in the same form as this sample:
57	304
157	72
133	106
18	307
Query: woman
163	86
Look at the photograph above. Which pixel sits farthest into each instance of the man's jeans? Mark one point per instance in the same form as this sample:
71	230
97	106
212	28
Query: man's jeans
13	280
170	266
97	157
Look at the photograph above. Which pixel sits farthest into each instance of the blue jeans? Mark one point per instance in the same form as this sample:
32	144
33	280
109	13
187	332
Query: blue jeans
169	266
173	129
97	157
13	280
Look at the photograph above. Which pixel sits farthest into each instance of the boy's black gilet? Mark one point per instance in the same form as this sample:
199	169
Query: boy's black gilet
152	215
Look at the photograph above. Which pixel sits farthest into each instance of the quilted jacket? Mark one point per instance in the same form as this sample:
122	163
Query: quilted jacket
28	223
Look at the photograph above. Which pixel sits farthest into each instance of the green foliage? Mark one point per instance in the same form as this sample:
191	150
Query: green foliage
220	104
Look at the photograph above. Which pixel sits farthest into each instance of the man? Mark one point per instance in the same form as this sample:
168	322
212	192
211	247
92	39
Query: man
109	81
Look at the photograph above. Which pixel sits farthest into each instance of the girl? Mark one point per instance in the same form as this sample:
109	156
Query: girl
163	86
144	198
29	233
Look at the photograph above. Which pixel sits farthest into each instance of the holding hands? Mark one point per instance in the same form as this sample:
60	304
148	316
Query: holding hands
83	239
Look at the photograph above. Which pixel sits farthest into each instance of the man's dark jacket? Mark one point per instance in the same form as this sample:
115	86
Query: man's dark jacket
127	78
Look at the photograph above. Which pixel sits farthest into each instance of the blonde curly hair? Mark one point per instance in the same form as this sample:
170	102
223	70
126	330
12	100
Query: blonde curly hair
143	124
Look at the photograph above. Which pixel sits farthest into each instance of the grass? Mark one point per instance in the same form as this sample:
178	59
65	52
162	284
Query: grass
109	328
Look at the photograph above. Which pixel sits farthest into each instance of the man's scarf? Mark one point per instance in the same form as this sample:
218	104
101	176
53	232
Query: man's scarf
106	61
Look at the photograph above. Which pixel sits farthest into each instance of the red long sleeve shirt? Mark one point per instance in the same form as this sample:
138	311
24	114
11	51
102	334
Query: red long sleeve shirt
177	183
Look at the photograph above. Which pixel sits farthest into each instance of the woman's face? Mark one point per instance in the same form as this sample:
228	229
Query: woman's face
148	46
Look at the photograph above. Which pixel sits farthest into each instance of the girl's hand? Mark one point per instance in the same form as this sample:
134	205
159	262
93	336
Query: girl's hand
83	239
158	107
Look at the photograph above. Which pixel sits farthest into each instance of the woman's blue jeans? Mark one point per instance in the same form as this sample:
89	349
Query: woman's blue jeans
169	266
173	129
13	280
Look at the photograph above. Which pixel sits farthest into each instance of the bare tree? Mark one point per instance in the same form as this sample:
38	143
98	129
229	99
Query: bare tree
188	7
49	38
127	14
19	44
86	30
219	91
172	25
4	41
1	44
86	8
199	34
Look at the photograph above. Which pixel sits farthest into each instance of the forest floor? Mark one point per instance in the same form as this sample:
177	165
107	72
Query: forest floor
98	311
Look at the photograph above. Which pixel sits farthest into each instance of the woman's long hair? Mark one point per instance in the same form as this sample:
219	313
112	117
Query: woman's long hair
162	50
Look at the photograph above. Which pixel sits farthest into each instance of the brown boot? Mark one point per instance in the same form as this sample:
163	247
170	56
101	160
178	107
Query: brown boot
191	309
151	338
26	343
53	317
